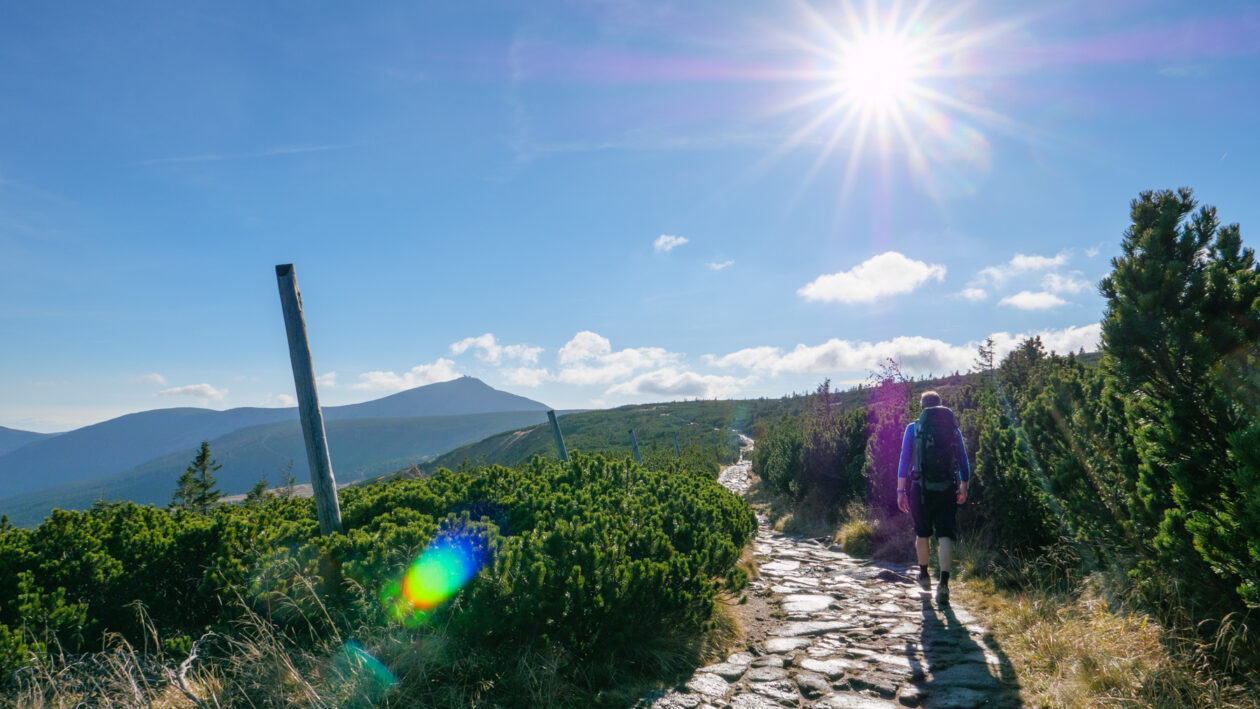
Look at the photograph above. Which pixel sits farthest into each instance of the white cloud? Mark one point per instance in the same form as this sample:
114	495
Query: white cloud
526	376
719	265
889	273
280	400
975	295
584	345
1093	251
666	243
153	378
440	371
670	382
1070	283
590	359
199	391
1028	300
1021	263
490	351
328	380
917	355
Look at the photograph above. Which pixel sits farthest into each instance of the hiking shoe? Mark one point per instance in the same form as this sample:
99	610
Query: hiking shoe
942	594
925	581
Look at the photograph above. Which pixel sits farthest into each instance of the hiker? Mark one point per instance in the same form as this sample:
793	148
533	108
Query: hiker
931	482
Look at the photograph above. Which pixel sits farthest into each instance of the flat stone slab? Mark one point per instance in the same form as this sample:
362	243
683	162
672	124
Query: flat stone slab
779	690
854	701
780	567
807	602
812	627
726	670
708	685
765	674
833	668
779	645
968	674
953	698
753	701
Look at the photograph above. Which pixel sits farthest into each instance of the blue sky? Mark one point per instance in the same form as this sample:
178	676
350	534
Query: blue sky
587	203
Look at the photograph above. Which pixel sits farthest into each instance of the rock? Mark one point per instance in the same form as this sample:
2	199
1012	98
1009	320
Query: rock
676	700
811	684
806	603
768	661
910	696
765	674
753	701
777	645
726	670
740	658
812	627
885	685
779	690
853	701
833	668
708	685
780	567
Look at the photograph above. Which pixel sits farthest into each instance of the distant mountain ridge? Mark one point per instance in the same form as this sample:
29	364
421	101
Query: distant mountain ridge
118	445
12	439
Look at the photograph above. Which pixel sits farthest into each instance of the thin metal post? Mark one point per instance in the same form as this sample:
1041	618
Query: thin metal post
325	486
634	443
677	452
555	428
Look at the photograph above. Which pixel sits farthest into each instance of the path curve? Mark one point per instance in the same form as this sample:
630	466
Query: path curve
853	634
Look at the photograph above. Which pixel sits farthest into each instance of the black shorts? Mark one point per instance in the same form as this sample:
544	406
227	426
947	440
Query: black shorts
934	512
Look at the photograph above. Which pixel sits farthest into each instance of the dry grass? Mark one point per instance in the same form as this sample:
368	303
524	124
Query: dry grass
1077	652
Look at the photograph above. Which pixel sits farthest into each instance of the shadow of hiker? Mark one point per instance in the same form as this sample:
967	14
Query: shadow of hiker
955	671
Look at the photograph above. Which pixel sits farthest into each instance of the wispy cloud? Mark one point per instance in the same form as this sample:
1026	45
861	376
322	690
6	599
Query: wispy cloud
490	351
975	295
197	391
1020	264
439	371
673	382
666	243
719	265
327	380
590	359
1065	283
883	275
153	378
217	157
1028	300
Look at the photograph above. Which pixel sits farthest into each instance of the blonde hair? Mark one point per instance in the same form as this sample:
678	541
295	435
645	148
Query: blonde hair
929	399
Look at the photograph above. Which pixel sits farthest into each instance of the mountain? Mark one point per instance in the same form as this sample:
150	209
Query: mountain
359	448
12	439
117	445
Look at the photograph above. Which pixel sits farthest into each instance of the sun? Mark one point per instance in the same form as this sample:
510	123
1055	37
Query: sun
877	71
891	85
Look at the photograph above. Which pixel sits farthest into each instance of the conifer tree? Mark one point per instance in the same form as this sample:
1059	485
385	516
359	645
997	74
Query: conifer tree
1181	329
196	489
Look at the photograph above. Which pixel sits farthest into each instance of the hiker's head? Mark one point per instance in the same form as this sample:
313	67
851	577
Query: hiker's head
928	399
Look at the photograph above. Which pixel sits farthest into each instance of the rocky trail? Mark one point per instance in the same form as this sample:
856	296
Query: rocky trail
849	634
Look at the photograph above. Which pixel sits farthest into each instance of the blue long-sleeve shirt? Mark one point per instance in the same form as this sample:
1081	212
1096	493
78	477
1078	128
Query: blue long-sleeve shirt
907	454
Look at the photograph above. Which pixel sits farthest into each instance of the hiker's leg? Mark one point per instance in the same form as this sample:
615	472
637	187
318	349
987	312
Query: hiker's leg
921	548
945	553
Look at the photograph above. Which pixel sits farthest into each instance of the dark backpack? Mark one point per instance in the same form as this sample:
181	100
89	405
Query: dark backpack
935	466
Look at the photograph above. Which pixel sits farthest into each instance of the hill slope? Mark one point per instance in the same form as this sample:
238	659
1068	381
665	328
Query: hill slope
12	439
359	448
113	446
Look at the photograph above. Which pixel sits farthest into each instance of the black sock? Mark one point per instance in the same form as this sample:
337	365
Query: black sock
944	577
923	569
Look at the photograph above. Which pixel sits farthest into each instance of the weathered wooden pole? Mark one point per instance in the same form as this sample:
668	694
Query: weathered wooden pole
634	443
677	452
555	428
325	486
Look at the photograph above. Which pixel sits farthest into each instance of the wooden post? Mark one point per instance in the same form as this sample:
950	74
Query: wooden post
677	452
555	428
325	486
634	443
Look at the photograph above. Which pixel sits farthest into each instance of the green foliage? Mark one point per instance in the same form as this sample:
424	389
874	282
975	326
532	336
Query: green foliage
196	489
590	561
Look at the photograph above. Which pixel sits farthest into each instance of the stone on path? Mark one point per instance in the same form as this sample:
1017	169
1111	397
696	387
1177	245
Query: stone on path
852	634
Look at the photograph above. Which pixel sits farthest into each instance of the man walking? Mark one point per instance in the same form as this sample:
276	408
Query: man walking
931	482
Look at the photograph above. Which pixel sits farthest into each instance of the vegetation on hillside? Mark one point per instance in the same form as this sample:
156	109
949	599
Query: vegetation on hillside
1133	485
588	573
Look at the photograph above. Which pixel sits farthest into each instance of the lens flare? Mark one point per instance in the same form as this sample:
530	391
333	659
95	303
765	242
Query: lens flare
450	562
363	679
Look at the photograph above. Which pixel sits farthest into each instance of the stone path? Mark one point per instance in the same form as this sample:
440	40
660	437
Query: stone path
854	634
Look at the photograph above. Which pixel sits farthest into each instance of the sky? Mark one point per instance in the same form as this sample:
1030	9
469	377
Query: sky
586	203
